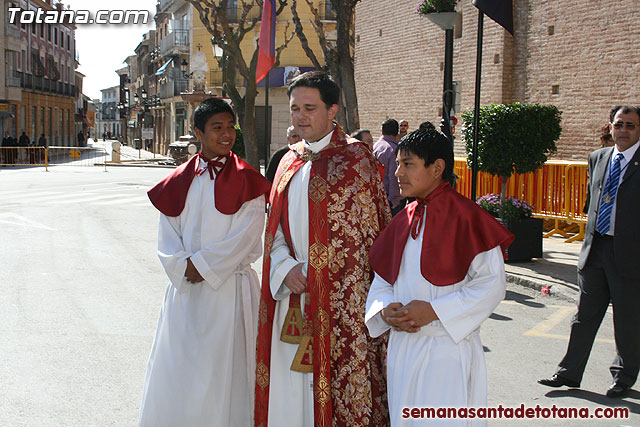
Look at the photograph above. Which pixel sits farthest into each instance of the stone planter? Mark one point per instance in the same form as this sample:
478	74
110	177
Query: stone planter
445	20
528	239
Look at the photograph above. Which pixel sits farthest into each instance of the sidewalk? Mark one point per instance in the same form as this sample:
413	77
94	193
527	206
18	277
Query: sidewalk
557	269
128	154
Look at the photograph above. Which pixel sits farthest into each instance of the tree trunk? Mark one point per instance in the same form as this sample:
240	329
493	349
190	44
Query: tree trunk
503	192
345	64
249	126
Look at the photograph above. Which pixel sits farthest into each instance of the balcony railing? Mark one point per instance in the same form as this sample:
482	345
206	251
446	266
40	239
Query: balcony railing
173	88
164	4
177	38
29	81
11	30
14	79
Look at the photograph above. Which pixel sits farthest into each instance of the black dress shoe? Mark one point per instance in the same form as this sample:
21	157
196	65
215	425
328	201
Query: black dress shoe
618	390
558	381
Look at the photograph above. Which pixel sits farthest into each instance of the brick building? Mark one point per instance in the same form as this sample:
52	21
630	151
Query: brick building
581	56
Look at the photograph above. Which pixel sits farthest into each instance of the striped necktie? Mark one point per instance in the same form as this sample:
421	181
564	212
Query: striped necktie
608	198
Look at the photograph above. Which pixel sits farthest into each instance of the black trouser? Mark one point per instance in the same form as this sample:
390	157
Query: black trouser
600	283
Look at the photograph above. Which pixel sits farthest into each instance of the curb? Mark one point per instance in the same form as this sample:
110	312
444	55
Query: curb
140	165
559	289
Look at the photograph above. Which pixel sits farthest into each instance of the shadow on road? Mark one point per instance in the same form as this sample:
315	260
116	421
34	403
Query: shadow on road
522	299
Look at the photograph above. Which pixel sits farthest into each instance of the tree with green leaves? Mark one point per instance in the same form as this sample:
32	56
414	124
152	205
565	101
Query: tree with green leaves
512	138
228	33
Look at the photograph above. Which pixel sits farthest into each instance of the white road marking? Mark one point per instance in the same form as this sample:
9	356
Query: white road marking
15	219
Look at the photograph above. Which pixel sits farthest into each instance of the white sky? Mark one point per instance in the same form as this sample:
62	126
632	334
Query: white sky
102	48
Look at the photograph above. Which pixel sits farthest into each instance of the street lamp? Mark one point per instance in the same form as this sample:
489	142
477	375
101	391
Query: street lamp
218	54
183	67
446	21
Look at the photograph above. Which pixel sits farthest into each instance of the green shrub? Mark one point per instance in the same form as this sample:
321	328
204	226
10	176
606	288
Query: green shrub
238	147
513	137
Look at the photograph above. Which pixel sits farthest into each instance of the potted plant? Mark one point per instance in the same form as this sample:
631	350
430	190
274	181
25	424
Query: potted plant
517	216
441	12
513	138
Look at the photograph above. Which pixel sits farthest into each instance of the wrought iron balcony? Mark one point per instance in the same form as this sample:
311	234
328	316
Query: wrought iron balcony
175	42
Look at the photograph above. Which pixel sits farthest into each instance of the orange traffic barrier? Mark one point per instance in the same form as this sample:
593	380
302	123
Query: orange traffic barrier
557	192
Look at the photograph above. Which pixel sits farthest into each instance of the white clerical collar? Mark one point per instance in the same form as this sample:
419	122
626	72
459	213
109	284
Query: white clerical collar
317	146
628	153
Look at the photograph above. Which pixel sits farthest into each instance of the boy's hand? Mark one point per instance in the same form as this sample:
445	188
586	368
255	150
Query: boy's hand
395	315
420	313
295	280
191	273
410	317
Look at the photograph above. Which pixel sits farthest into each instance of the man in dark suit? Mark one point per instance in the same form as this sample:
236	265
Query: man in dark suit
608	267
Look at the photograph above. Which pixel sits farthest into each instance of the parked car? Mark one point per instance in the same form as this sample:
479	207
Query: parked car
178	150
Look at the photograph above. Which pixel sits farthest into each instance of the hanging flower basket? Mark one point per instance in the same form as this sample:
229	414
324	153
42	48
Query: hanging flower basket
426	7
440	12
445	20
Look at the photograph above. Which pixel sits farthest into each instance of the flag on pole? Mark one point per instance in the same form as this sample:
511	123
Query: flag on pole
500	11
267	40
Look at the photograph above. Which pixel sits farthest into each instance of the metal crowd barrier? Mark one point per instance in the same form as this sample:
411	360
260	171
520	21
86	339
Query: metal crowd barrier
52	156
557	192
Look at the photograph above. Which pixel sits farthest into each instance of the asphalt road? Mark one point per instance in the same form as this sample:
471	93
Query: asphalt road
81	290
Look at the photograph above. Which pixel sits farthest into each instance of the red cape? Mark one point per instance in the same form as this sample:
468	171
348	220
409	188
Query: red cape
236	183
456	229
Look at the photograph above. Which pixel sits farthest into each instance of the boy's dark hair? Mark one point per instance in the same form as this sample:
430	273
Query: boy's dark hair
424	126
390	127
626	109
430	145
329	90
208	108
358	134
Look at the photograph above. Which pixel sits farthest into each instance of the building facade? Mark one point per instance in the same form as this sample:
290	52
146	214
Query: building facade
38	85
578	56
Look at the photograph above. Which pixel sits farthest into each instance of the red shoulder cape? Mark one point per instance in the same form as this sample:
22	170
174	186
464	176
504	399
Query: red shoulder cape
456	229
236	183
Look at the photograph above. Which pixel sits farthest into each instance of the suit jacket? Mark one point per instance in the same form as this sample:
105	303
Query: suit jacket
626	240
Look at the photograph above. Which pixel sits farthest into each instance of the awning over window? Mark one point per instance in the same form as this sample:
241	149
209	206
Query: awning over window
161	69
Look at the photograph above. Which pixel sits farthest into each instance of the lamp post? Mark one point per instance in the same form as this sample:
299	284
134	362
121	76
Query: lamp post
218	54
446	21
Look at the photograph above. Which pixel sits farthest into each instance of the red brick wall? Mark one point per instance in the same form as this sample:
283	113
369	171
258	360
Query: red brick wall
593	57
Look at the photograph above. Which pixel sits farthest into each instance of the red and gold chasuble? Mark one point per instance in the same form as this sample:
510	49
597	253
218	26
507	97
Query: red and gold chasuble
347	211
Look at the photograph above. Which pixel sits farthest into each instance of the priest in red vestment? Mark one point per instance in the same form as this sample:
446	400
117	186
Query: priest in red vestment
316	364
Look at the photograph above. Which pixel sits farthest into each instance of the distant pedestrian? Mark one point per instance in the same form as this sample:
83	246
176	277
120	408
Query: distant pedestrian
80	139
364	135
385	151
7	152
292	138
606	140
23	144
403	129
42	143
608	264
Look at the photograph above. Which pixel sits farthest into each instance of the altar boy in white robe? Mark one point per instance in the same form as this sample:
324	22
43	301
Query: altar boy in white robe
439	274
201	370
